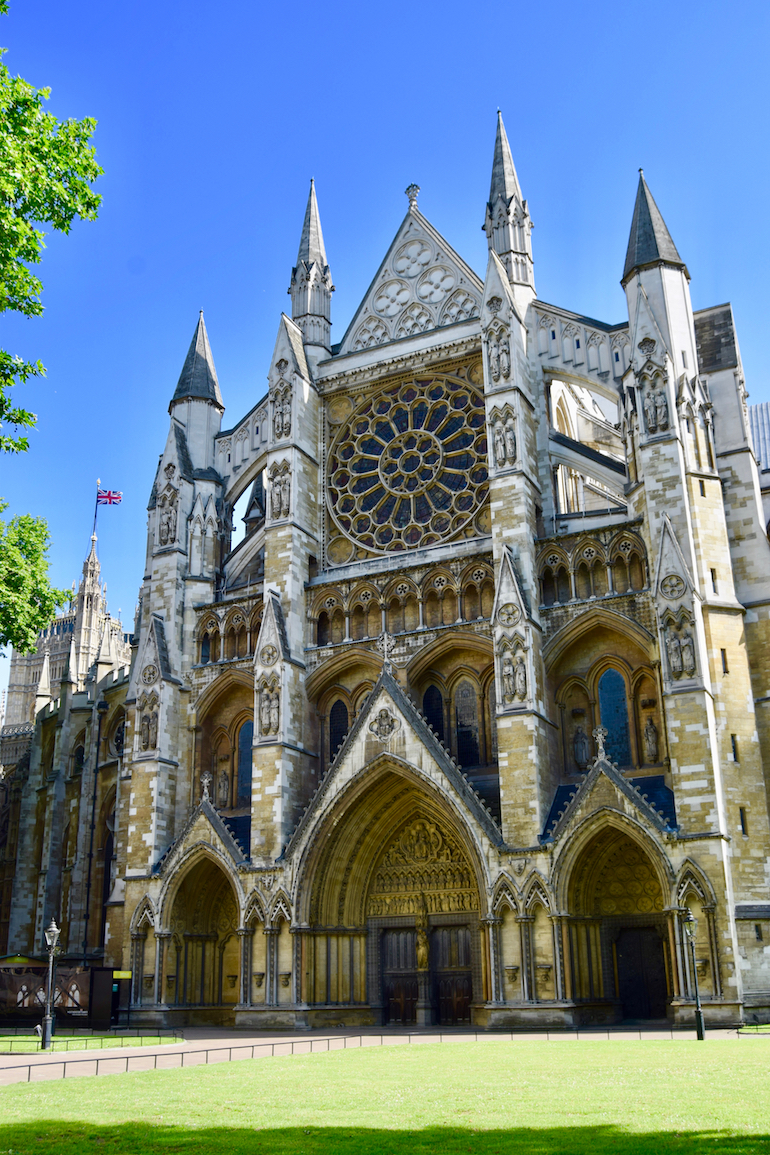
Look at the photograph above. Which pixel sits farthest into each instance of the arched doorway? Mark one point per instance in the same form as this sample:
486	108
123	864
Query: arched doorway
393	905
203	959
618	932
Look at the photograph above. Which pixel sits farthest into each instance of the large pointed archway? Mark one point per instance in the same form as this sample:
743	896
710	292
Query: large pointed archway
620	962
392	895
202	959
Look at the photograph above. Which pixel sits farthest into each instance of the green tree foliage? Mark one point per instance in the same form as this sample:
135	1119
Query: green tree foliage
47	167
28	601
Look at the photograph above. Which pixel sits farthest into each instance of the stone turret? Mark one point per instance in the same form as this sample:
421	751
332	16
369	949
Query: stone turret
507	222
311	286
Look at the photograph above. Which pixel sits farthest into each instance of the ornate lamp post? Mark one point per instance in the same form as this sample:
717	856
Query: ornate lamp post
51	939
690	924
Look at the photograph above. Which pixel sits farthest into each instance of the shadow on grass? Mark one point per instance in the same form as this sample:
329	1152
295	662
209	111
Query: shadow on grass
64	1138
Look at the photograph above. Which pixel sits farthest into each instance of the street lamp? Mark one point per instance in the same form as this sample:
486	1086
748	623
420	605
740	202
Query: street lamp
690	924
51	939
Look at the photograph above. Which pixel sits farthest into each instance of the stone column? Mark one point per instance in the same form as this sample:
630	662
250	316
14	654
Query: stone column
138	938
161	938
271	977
246	935
528	985
492	932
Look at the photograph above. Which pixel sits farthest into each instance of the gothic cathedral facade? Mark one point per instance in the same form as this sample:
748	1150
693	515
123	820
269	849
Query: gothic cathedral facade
475	712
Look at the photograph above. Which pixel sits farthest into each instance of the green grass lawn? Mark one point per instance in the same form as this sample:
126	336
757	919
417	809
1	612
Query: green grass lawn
488	1098
30	1044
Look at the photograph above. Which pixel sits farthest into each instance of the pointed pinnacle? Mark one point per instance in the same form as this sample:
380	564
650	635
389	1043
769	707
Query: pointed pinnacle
505	182
199	377
649	240
311	245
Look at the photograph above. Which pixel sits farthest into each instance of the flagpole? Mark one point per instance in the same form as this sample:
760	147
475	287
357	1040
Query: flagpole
96	505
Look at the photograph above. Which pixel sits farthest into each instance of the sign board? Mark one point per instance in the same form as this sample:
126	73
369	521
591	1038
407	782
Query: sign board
121	974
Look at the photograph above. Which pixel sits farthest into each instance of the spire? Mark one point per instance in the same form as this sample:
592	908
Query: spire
198	378
505	183
43	692
649	241
507	222
311	244
311	286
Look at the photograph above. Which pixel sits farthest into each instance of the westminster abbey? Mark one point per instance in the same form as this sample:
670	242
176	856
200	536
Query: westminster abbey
473	711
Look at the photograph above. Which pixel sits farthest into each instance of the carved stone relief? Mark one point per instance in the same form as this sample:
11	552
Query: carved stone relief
280	490
423	872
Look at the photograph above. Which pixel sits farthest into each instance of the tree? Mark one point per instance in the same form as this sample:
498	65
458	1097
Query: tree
47	167
28	601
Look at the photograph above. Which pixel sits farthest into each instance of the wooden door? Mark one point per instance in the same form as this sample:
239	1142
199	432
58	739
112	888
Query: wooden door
641	973
452	978
399	976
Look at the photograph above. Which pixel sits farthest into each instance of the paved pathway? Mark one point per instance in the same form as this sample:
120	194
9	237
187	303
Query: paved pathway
206	1045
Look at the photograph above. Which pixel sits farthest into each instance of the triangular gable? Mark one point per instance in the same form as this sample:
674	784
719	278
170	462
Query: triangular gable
646	330
272	634
422	284
206	826
390	723
499	301
510	606
672	576
152	663
604	786
288	353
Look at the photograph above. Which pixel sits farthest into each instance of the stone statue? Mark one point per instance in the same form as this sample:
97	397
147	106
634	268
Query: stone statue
674	651
505	358
287	413
205	783
510	444
275	496
581	748
422	949
277	419
285	494
650	412
494	359
153	734
661	409
509	687
264	712
688	654
145	731
275	712
223	792
650	741
520	678
499	446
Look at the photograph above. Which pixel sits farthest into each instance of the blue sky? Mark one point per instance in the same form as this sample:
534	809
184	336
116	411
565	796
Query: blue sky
212	119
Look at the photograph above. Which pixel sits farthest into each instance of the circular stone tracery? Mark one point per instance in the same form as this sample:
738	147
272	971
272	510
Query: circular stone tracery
409	468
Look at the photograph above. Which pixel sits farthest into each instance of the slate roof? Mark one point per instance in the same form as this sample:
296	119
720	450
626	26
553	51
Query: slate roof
199	377
715	339
650	240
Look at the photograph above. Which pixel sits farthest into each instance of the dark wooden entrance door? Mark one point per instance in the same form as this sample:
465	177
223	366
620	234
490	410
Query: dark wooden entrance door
452	981
399	967
641	973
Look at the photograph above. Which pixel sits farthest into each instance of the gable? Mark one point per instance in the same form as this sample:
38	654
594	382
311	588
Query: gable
422	284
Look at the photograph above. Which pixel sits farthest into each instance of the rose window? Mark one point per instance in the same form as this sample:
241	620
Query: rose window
409	469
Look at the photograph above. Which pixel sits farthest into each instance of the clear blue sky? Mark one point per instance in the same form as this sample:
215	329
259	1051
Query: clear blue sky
212	119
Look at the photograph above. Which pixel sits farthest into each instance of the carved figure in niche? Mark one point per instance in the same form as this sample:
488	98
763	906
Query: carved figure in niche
509	682
384	725
206	780
510	444
275	711
661	409
167	527
520	679
285	494
650	411
674	651
223	790
494	359
145	731
287	413
581	748
264	712
688	654
153	735
422	949
650	741
275	497
499	446
277	418
505	358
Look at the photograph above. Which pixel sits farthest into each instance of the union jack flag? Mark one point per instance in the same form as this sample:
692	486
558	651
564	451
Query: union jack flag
108	497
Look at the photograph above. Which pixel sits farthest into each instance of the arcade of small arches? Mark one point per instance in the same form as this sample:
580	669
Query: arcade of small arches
591	570
405	605
229	635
